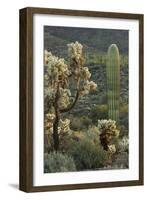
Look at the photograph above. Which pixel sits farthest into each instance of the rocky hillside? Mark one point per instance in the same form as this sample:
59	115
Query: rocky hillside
56	38
96	43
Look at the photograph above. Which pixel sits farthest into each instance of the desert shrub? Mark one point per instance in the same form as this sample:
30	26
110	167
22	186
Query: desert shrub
48	146
124	116
92	134
76	124
121	161
124	121
76	136
58	162
99	112
123	130
64	133
79	123
87	155
124	108
123	144
86	121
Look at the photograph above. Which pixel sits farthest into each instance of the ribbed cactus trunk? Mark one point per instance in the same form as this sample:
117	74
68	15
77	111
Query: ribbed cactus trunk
113	82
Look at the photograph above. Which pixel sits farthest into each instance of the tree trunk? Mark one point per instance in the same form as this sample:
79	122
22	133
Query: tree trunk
55	131
56	122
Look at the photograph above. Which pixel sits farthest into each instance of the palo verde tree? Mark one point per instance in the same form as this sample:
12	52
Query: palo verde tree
60	77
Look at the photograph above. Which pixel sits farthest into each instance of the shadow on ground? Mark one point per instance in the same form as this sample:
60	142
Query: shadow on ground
14	185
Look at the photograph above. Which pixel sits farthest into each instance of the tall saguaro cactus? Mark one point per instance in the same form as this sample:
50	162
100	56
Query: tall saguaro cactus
113	82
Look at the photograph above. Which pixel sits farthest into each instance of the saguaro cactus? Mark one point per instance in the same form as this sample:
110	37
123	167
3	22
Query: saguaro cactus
113	82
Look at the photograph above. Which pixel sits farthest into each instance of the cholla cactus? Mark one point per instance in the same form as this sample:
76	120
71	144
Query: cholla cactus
75	51
65	125
89	85
58	75
108	131
112	148
46	57
65	95
57	70
85	74
49	119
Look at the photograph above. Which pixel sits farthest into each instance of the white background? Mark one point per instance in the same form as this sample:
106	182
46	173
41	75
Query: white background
9	85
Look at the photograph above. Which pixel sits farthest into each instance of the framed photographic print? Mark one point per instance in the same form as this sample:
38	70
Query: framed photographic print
81	99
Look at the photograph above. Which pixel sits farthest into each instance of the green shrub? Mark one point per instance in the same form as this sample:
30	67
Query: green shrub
87	155
92	134
49	144
123	144
124	116
58	162
121	161
99	112
123	130
124	108
76	124
79	123
86	121
76	135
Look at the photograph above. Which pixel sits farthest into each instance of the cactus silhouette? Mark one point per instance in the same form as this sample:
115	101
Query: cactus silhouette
113	82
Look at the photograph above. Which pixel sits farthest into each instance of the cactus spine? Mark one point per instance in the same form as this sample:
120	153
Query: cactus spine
113	82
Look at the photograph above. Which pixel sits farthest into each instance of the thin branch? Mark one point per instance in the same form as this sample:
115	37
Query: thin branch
72	105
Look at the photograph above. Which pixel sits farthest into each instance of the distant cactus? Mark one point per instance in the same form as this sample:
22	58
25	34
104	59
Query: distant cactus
113	82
